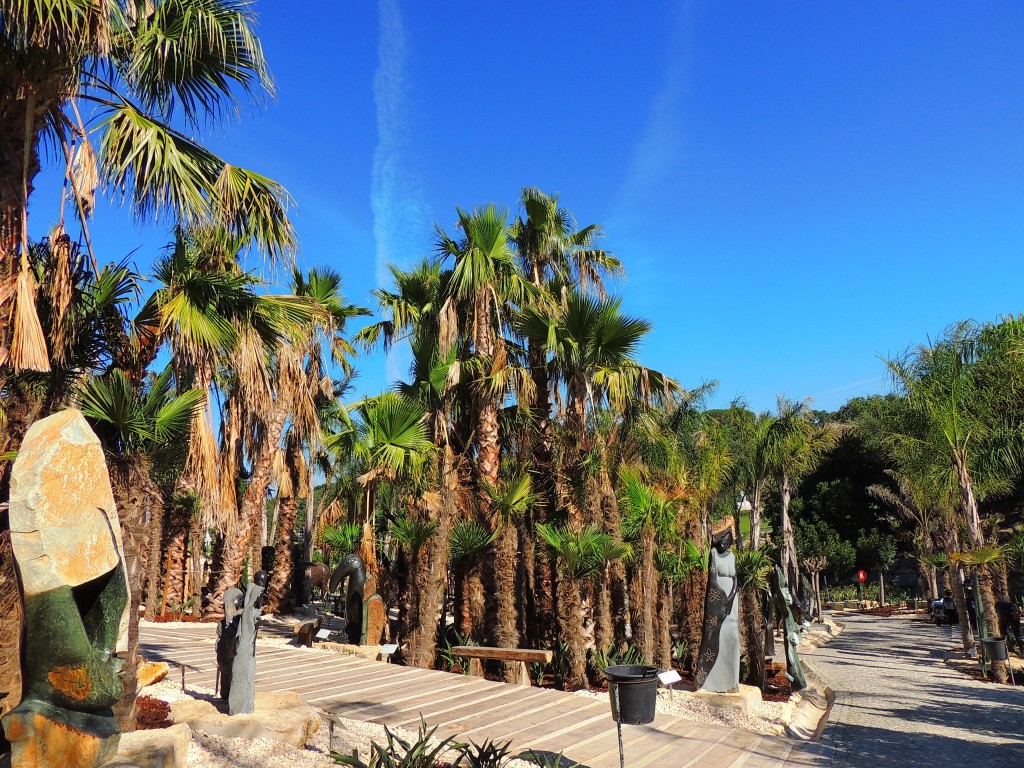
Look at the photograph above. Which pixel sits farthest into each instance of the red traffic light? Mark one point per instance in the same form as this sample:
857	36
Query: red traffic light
862	576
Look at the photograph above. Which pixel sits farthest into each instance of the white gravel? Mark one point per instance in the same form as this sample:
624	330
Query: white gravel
767	717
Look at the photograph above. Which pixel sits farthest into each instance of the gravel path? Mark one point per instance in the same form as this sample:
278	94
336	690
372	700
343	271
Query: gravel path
899	705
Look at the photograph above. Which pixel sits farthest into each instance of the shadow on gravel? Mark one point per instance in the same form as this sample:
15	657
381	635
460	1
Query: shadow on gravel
883	747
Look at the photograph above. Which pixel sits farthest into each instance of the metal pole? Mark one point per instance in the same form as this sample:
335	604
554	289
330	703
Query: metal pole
618	726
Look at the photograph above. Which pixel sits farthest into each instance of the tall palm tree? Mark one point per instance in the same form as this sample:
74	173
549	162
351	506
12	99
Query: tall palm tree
794	446
136	429
140	67
967	389
648	517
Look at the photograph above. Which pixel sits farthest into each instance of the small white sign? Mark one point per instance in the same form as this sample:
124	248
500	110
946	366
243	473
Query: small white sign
323	634
667	678
387	650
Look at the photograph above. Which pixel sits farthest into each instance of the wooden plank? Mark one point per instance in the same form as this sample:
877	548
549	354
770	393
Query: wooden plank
527	655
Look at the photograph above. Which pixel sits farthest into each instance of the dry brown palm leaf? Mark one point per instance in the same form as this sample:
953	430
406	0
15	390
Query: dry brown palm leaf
85	176
59	288
330	516
201	468
28	344
249	359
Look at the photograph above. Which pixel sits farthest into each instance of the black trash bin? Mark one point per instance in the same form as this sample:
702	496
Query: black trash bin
637	687
995	648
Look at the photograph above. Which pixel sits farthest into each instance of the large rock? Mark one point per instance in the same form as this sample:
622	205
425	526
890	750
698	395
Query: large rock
281	716
66	541
157	748
40	738
151	672
741	701
64	525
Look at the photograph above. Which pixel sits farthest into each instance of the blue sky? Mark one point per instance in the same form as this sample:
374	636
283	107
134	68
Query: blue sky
794	188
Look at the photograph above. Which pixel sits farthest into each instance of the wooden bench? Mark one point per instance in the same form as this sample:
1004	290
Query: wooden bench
522	656
306	631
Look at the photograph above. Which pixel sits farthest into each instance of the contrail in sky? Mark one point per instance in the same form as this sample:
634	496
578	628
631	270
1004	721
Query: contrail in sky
394	193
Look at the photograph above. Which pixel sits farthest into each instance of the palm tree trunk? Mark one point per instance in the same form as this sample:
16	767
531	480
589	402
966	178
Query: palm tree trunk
648	581
155	540
432	572
253	504
174	558
789	563
571	615
279	589
604	634
753	636
506	634
132	485
977	539
663	646
755	515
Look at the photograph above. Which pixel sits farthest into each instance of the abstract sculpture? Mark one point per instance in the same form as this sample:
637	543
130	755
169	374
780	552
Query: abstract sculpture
718	666
236	645
66	541
783	604
364	608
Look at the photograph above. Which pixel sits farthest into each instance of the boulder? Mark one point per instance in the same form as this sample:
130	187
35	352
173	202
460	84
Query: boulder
741	701
151	672
64	525
65	537
281	716
157	748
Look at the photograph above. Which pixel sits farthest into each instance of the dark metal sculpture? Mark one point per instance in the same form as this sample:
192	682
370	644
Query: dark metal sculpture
784	604
352	568
718	665
1009	622
236	645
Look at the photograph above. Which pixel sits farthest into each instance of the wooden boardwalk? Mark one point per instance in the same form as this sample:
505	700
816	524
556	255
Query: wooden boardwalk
474	708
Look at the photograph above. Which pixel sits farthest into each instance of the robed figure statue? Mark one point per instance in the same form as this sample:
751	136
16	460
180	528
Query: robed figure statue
718	665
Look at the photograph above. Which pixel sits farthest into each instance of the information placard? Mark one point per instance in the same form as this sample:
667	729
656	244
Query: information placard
323	634
387	650
667	678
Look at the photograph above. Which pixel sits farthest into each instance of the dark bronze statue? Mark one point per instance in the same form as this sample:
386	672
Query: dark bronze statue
236	645
1009	623
718	666
783	604
352	568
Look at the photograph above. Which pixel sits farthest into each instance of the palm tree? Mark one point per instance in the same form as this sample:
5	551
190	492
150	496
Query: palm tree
794	445
648	517
753	567
469	540
966	389
581	556
136	429
141	67
484	278
552	252
509	501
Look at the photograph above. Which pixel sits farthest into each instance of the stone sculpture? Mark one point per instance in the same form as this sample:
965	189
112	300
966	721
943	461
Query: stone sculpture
718	666
236	645
783	604
365	615
66	541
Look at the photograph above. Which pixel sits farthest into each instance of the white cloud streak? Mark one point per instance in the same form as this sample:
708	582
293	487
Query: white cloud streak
395	196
